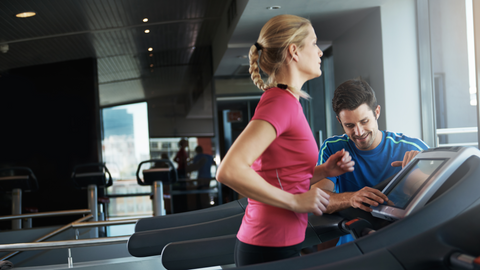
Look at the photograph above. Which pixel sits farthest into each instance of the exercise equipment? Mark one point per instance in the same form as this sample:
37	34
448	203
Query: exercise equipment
451	200
92	176
161	172
152	234
18	180
457	193
415	185
450	245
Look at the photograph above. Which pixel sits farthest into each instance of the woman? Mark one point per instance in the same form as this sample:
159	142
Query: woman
182	158
273	161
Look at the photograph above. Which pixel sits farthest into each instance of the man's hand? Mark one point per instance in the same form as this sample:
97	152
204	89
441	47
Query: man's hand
369	196
338	163
409	155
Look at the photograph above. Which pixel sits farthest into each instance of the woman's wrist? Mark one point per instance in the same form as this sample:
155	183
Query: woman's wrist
319	172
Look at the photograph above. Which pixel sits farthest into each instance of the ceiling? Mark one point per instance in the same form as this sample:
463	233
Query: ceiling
330	18
182	33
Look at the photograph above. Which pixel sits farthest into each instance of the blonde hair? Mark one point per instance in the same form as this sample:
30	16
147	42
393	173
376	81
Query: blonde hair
275	37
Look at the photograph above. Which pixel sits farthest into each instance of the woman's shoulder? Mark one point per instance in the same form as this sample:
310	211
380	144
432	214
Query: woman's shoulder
276	94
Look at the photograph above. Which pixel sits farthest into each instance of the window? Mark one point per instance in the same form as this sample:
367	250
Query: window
453	70
125	144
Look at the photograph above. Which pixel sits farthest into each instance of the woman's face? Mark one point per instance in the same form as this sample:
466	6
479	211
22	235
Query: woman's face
309	56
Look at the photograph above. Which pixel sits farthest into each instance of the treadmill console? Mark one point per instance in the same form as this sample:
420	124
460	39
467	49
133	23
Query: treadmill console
415	184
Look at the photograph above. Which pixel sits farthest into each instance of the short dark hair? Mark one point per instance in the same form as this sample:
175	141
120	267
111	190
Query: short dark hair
199	149
182	142
353	93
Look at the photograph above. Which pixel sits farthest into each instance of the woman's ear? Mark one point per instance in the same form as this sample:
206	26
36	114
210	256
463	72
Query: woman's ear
292	51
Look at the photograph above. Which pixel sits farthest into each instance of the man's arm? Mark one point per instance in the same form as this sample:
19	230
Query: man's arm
341	201
196	165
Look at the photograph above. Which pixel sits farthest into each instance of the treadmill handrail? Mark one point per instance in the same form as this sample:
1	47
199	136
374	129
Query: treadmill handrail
90	224
31	176
47	214
173	170
46	236
220	247
193	217
152	242
64	244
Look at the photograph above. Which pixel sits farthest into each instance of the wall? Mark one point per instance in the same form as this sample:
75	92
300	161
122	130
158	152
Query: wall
450	64
225	31
236	87
400	61
382	48
167	118
358	52
190	114
50	121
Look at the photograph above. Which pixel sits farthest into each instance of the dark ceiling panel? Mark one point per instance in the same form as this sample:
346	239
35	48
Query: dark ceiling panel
112	31
46	51
118	68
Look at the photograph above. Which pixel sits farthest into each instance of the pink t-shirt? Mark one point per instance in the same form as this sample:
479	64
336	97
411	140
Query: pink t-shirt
292	156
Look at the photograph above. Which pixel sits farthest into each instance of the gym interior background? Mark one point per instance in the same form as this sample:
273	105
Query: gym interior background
84	82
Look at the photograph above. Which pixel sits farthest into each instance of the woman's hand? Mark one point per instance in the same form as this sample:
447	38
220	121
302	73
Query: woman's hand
315	200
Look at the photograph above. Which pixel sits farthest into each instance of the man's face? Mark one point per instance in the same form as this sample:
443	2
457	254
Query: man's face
361	126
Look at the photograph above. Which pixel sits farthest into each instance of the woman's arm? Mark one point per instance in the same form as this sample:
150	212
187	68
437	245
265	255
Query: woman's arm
235	172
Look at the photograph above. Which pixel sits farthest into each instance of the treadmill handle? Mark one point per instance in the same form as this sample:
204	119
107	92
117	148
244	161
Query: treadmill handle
463	261
357	227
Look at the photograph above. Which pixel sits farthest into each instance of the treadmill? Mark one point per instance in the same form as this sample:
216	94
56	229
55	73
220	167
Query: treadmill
436	186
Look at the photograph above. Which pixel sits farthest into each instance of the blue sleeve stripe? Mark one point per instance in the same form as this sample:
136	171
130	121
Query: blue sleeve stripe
407	142
400	135
325	146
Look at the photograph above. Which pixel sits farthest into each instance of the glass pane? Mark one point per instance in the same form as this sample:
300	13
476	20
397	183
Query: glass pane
452	43
125	144
197	188
161	148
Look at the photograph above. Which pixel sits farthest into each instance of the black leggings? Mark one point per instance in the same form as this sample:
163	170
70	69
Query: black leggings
246	254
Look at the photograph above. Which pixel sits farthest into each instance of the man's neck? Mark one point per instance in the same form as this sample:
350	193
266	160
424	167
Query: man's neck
378	139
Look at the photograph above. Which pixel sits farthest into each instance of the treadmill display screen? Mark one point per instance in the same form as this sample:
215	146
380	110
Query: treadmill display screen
411	182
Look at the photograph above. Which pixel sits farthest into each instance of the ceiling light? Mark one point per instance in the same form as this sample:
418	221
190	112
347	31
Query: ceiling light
147	31
26	14
242	56
150	49
151	65
4	48
145	20
151	55
274	7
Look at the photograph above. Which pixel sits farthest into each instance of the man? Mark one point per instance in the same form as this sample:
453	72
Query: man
201	163
378	154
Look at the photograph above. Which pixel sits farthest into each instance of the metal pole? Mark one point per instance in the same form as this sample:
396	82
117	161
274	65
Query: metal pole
65	244
70	259
57	231
47	214
476	29
104	223
158	203
216	139
93	205
16	208
27	223
429	132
